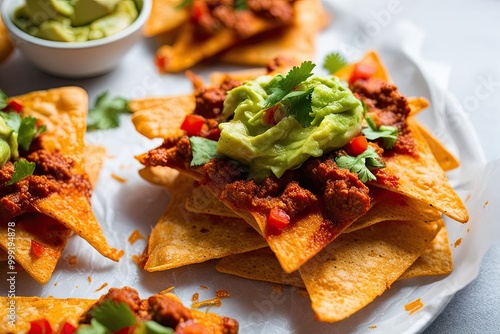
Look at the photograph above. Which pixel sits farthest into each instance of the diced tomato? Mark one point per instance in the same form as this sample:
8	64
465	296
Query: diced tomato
14	105
160	62
213	134
192	124
273	115
40	326
278	218
356	146
362	71
125	330
37	248
67	328
199	9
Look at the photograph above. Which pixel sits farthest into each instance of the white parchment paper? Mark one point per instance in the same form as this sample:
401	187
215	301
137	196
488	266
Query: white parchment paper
136	205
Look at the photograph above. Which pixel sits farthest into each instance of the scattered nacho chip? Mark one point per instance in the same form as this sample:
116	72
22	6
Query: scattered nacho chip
370	58
202	201
296	41
359	266
166	15
181	237
94	158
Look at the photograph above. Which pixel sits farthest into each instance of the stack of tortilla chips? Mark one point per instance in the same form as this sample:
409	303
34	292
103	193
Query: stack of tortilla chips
53	219
264	38
402	235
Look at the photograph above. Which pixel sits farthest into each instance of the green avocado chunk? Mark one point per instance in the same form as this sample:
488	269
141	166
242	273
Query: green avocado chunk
87	11
8	143
273	149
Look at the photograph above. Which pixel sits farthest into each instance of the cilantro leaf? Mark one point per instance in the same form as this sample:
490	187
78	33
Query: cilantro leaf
184	4
25	127
113	315
361	164
280	86
12	119
297	103
203	150
300	101
3	99
240	4
95	327
22	169
334	61
388	134
106	111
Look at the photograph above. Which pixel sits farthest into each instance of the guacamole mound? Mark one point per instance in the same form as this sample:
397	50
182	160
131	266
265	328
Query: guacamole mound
274	148
8	143
75	20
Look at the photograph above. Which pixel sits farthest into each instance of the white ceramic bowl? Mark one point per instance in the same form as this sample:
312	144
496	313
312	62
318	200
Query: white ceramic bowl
74	59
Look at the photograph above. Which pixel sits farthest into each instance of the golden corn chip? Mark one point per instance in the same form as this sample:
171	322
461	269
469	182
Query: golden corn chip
181	237
94	156
200	200
370	58
422	178
63	112
417	104
260	265
359	266
393	206
5	44
165	16
435	260
161	117
296	41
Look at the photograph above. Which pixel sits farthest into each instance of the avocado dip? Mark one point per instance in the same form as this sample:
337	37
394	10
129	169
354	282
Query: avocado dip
273	140
75	20
8	143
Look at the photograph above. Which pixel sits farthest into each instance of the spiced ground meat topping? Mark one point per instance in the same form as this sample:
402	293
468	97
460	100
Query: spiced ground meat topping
387	107
210	16
53	173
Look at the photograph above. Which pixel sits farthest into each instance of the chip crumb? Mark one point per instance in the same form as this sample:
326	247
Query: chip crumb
277	288
302	292
209	302
89	279
195	297
118	178
167	290
203	287
55	284
372	327
136	235
136	259
72	260
222	294
486	204
467	198
457	243
414	306
101	287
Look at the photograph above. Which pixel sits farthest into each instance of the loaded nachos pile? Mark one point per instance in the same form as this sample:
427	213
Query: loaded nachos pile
322	182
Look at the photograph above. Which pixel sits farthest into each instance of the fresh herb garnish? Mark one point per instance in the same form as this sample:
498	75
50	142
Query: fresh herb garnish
25	127
3	100
106	111
240	4
297	103
388	134
22	169
203	150
113	315
361	164
184	4
334	61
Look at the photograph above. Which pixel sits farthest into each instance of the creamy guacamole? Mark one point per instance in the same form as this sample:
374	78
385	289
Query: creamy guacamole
8	143
274	148
76	20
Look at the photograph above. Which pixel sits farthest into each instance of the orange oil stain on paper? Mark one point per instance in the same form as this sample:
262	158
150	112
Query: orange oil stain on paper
118	178
101	287
136	235
414	306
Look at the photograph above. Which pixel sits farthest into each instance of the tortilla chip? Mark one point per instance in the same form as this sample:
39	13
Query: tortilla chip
94	158
435	260
187	50
181	237
422	178
63	111
260	265
6	46
165	16
417	104
161	117
370	58
393	206
56	311
444	157
200	200
359	266
294	42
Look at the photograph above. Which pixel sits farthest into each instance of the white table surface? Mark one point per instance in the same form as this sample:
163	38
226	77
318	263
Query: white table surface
462	34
